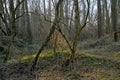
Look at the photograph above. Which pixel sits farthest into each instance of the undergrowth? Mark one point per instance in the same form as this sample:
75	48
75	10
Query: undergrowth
86	67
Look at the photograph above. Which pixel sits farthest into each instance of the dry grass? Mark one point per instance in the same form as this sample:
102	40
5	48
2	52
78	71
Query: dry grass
101	62
87	67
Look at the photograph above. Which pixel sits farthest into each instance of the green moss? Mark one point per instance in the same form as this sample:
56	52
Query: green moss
28	57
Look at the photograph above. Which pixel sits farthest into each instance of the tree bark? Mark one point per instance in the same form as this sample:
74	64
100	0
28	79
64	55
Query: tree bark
107	18
99	19
114	18
13	29
29	33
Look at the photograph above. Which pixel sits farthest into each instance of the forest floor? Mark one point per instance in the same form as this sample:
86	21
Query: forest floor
94	61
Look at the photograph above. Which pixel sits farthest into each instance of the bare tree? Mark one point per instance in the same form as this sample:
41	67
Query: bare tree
78	29
4	18
12	24
107	18
44	3
1	13
99	18
29	33
114	18
56	21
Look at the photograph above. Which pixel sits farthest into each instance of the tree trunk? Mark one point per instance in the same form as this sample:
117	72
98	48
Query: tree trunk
99	19
44	4
13	29
29	33
77	26
114	19
18	13
107	18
